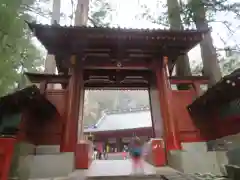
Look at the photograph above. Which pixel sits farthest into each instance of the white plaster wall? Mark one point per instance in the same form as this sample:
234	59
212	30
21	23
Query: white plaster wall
155	111
52	165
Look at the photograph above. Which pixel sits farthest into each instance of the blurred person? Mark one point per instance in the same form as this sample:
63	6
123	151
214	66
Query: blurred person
125	152
107	151
136	152
95	153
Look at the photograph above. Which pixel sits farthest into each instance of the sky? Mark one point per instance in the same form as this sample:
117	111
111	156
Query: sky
125	16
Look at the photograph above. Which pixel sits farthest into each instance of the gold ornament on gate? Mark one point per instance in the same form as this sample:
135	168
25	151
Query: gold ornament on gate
119	64
73	59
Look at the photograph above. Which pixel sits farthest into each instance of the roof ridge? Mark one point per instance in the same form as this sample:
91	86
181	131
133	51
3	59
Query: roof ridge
127	110
100	120
116	28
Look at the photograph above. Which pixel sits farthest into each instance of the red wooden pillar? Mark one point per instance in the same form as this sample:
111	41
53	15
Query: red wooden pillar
170	126
6	154
74	102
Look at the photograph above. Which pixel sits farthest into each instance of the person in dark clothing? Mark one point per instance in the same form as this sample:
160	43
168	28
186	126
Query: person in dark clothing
99	155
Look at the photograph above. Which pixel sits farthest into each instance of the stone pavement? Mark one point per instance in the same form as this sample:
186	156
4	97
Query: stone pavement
121	169
116	168
115	156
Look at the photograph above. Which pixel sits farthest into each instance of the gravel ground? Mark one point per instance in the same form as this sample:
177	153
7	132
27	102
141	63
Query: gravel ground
208	176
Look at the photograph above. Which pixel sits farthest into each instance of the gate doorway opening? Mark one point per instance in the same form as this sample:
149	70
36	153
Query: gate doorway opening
113	116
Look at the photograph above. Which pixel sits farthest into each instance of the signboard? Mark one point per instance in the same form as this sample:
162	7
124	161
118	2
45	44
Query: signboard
143	138
126	139
111	140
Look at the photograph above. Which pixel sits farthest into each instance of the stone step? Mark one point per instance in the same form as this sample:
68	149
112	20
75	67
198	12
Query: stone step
47	149
125	177
177	176
51	165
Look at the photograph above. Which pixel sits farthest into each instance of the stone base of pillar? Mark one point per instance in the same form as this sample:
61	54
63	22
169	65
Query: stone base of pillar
44	161
83	156
194	158
52	165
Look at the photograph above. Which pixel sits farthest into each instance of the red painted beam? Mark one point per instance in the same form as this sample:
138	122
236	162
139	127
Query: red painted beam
188	81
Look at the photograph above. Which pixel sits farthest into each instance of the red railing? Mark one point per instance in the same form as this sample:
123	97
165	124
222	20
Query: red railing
187	129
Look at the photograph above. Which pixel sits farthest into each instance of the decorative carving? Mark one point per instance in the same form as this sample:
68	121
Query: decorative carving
120	78
119	64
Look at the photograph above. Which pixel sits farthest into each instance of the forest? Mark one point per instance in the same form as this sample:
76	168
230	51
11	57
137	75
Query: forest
20	53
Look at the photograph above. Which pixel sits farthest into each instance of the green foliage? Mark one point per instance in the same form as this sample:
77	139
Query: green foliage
197	68
100	13
229	64
17	51
161	17
211	8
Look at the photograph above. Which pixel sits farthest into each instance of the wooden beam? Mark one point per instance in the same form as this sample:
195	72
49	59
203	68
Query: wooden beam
124	73
188	79
50	78
102	85
117	79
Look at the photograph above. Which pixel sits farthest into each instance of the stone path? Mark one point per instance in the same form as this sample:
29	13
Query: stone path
121	169
116	168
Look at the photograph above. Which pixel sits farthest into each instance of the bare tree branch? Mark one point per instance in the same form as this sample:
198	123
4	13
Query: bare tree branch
92	21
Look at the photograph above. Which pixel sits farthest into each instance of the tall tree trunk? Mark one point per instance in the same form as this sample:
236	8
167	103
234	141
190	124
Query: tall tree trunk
50	64
182	65
81	17
56	11
81	14
211	66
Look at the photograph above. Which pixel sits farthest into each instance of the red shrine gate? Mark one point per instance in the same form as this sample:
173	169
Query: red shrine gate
118	58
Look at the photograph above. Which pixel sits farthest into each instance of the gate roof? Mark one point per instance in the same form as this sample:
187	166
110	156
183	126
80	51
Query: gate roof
112	44
222	93
27	98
